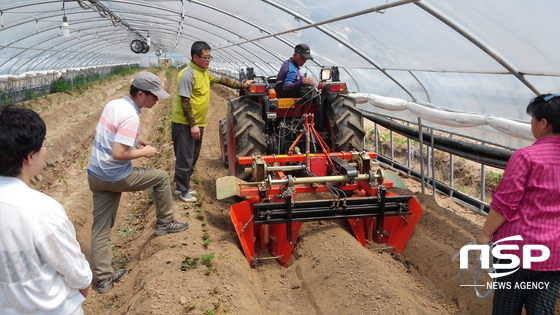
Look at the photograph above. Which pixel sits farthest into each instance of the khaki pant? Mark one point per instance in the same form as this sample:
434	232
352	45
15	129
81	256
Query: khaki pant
106	197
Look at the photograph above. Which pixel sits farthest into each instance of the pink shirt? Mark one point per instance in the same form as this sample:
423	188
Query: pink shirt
528	196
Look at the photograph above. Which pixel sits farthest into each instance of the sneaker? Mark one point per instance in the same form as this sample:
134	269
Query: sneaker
171	227
187	197
192	192
105	285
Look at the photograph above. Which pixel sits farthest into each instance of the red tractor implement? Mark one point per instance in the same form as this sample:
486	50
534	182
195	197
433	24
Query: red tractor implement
307	142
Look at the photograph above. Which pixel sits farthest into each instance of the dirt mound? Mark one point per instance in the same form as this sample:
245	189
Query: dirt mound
203	270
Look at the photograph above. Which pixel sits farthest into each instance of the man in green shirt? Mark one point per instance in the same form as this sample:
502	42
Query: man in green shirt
189	114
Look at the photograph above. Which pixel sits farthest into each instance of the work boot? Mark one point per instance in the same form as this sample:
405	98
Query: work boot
105	285
171	227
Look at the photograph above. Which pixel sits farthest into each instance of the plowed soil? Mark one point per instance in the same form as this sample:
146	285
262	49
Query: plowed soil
329	273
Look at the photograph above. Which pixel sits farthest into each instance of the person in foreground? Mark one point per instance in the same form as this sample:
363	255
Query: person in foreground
110	173
527	203
42	269
289	71
189	115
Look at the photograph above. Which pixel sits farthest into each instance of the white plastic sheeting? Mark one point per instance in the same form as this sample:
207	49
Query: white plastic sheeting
449	61
441	117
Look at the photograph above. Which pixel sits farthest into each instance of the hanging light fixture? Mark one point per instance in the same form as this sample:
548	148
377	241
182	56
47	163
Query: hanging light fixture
65	26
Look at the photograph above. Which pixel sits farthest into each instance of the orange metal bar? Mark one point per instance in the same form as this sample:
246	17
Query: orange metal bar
278	189
291	149
282	159
322	143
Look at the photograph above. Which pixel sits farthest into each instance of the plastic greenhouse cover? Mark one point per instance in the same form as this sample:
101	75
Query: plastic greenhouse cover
468	67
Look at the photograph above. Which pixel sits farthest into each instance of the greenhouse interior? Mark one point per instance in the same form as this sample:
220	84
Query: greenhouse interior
441	86
454	64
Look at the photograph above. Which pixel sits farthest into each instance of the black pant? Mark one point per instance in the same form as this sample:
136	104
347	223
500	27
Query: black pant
186	151
511	300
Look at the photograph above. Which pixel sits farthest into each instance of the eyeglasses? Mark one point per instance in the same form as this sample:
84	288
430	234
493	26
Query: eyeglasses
207	58
48	146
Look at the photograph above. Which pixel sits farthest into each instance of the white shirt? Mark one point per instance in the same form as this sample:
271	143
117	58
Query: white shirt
41	264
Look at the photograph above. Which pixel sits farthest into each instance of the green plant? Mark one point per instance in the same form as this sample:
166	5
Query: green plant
120	257
195	179
30	94
493	179
4	98
83	160
63	180
125	231
207	261
189	263
61	85
80	82
206	239
384	136
200	214
205	243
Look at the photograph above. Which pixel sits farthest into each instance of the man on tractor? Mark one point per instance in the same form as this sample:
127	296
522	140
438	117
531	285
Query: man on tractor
289	72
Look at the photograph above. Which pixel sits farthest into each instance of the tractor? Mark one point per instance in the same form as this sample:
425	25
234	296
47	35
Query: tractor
279	144
259	123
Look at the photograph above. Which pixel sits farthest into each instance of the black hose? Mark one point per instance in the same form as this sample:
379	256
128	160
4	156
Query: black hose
487	155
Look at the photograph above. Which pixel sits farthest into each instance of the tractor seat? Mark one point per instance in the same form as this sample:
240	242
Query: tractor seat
296	93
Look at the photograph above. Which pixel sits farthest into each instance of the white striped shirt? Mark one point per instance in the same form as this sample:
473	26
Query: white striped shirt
119	123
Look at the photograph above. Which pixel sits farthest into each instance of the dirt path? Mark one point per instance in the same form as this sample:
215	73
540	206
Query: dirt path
330	272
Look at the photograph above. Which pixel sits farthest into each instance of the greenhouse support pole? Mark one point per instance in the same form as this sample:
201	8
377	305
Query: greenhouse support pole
421	138
451	169
433	164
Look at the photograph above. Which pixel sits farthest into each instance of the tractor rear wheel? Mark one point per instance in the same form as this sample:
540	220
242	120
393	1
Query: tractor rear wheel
346	124
245	133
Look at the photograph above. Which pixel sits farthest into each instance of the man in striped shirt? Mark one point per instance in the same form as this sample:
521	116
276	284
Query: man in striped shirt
527	203
110	172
